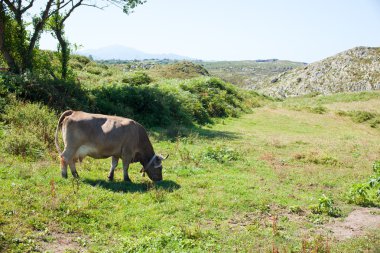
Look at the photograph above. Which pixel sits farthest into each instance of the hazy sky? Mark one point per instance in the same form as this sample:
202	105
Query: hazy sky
298	30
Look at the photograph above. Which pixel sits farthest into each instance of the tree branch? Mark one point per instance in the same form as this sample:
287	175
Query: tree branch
39	26
11	6
28	6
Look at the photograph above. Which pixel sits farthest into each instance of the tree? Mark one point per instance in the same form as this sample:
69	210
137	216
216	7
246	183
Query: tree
17	44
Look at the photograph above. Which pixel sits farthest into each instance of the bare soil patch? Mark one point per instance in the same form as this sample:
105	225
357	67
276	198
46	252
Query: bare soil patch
62	242
355	224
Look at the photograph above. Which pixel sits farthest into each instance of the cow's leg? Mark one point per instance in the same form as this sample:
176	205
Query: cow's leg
126	162
73	169
115	161
63	167
66	159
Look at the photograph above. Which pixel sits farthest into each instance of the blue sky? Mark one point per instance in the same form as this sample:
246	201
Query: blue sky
297	30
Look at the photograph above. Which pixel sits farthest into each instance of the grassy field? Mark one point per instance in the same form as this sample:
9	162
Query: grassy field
247	184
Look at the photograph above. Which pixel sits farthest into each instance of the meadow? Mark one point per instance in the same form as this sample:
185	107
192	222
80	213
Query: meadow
246	173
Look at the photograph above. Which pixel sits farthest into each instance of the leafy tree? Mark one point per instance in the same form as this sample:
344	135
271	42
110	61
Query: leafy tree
18	44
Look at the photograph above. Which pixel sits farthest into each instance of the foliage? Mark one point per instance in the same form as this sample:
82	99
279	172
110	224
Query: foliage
220	99
137	78
21	37
177	70
196	100
317	109
29	129
58	94
146	104
326	206
221	154
368	193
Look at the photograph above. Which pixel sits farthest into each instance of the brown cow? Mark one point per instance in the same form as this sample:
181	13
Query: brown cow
103	136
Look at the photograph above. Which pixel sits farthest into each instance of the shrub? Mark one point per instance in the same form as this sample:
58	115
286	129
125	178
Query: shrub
358	195
361	116
317	109
326	206
94	70
137	78
221	154
29	129
220	99
368	193
147	104
24	144
55	93
33	118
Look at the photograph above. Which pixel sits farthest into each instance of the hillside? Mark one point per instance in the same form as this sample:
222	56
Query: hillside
246	73
357	69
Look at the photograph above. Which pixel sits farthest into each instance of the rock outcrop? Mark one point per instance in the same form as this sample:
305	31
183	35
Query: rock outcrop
356	69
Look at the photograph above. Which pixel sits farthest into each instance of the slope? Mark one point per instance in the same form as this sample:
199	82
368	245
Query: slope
357	69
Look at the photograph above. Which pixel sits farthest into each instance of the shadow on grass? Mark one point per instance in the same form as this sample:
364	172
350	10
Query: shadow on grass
121	186
172	133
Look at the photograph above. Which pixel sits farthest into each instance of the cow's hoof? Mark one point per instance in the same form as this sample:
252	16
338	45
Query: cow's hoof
127	179
110	178
64	175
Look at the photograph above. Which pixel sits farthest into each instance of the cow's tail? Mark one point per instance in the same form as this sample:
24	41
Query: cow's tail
59	126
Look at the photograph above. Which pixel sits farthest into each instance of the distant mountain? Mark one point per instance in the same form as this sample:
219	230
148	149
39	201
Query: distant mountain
357	69
118	52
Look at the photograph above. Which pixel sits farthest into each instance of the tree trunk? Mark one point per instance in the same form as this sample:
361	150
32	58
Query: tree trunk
3	48
64	52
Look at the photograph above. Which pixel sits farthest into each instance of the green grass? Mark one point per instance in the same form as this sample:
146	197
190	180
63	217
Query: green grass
244	184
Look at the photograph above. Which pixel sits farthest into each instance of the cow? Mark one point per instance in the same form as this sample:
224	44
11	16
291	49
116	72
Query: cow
102	136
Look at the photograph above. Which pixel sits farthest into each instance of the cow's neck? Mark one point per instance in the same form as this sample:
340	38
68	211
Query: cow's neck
149	153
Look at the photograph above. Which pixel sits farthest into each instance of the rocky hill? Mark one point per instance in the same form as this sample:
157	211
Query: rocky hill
356	69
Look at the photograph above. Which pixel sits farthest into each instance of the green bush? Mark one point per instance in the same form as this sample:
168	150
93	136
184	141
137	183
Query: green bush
220	99
361	116
317	109
221	154
147	104
94	70
24	144
326	206
137	78
29	129
164	104
368	193
55	93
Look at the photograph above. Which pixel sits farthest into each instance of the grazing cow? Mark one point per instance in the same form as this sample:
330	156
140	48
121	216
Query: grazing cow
103	136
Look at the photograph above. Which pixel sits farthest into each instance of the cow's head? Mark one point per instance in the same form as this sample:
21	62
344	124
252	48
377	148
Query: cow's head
154	168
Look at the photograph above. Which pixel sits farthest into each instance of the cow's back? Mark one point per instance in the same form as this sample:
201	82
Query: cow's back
99	135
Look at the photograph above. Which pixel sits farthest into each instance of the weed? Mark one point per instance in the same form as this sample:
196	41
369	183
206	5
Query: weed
368	193
376	167
316	159
358	195
326	206
296	210
361	116
317	109
221	154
